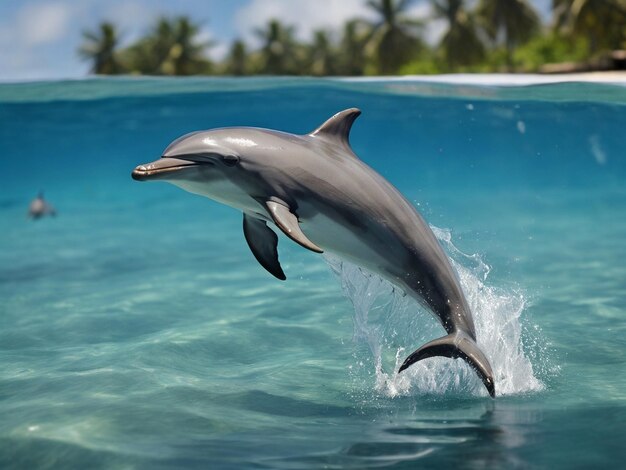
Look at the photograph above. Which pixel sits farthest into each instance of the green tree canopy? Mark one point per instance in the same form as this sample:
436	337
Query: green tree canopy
100	47
395	38
321	55
508	22
481	35
460	44
601	22
172	47
237	61
279	53
352	58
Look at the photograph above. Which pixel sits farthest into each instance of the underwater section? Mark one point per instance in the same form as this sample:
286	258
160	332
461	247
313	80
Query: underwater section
138	331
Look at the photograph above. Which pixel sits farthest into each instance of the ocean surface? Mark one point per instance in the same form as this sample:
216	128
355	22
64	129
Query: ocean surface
138	332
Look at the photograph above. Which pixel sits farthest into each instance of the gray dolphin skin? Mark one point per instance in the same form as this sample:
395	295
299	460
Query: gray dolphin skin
321	195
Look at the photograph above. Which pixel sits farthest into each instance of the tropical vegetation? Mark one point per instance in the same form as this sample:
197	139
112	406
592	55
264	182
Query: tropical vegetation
479	36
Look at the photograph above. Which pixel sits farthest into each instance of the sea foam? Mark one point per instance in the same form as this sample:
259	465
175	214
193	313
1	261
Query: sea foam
392	325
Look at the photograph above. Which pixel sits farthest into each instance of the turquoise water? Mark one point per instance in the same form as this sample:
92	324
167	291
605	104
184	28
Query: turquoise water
137	330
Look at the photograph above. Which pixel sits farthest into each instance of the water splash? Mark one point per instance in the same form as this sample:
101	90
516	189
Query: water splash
392	325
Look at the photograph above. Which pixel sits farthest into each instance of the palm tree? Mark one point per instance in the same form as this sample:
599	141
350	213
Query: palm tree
322	58
148	55
511	22
187	55
100	48
352	48
395	37
602	22
280	50
237	61
461	44
171	48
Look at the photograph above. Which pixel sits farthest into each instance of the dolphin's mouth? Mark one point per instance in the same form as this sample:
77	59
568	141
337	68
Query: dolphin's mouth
162	168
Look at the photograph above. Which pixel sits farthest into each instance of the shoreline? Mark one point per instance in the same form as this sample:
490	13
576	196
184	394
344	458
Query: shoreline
495	79
613	77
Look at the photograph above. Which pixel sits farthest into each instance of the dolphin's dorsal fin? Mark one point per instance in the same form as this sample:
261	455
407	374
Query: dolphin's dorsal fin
337	128
288	223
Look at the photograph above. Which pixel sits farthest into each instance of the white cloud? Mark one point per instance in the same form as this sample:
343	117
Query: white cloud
309	15
305	15
31	37
219	51
42	23
132	18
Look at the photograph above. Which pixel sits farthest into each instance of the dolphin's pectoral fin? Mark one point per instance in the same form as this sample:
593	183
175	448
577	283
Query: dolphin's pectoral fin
288	223
456	345
263	242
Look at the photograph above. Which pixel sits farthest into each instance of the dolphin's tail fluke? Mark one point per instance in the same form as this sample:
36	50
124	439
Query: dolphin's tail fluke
456	345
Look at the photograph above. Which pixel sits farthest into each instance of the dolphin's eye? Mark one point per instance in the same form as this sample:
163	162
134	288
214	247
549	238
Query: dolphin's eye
230	160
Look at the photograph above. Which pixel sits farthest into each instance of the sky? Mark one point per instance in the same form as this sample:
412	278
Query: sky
39	38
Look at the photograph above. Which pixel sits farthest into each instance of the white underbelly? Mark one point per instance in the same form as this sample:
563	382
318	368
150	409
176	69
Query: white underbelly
223	191
344	241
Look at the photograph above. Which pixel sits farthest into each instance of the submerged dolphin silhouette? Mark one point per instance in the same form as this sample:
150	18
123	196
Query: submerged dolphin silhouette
39	208
317	191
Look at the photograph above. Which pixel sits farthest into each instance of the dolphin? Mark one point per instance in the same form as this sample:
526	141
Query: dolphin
39	208
316	191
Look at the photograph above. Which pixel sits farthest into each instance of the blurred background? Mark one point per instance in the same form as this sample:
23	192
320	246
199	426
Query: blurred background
68	39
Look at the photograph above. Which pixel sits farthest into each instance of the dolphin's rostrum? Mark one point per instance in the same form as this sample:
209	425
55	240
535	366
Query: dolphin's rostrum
321	195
